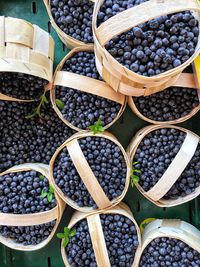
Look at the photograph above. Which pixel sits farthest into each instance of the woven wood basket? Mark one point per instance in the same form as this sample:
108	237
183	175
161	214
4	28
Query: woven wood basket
120	78
173	172
87	175
31	219
25	48
69	41
185	80
84	84
177	229
97	236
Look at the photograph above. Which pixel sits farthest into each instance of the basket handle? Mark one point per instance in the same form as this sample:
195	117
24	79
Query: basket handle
144	12
176	167
87	175
29	219
88	85
98	241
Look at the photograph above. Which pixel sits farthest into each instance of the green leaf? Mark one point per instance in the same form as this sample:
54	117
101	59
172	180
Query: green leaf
49	197
44	99
135	163
72	233
136	178
61	235
60	104
51	189
41	177
66	241
144	223
66	230
132	183
43	194
97	127
37	111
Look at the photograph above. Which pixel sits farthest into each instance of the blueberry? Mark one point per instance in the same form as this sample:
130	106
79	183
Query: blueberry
165	251
174	32
169	142
75	18
22	86
176	63
29	140
22	201
121	242
101	155
82	109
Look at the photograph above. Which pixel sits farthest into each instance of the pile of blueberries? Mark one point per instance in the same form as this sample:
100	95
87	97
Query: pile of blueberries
82	109
155	153
107	163
165	251
153	47
171	104
121	241
20	193
74	17
24	140
21	86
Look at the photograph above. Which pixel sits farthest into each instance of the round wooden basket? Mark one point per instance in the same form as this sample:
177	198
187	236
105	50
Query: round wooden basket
173	172
177	229
69	41
97	236
185	80
120	78
87	175
25	48
31	219
84	84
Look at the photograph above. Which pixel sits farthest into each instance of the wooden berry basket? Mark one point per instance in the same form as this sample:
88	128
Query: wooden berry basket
184	80
25	48
177	229
120	78
31	219
84	84
97	236
173	172
87	175
69	41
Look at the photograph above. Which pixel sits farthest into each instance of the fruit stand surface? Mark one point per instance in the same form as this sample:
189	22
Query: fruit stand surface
124	130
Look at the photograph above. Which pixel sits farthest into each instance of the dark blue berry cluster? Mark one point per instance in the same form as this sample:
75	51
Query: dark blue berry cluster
121	241
167	251
153	47
74	17
29	140
171	104
82	109
156	152
21	86
106	161
20	193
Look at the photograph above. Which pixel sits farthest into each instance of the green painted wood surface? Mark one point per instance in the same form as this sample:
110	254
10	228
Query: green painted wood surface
124	129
